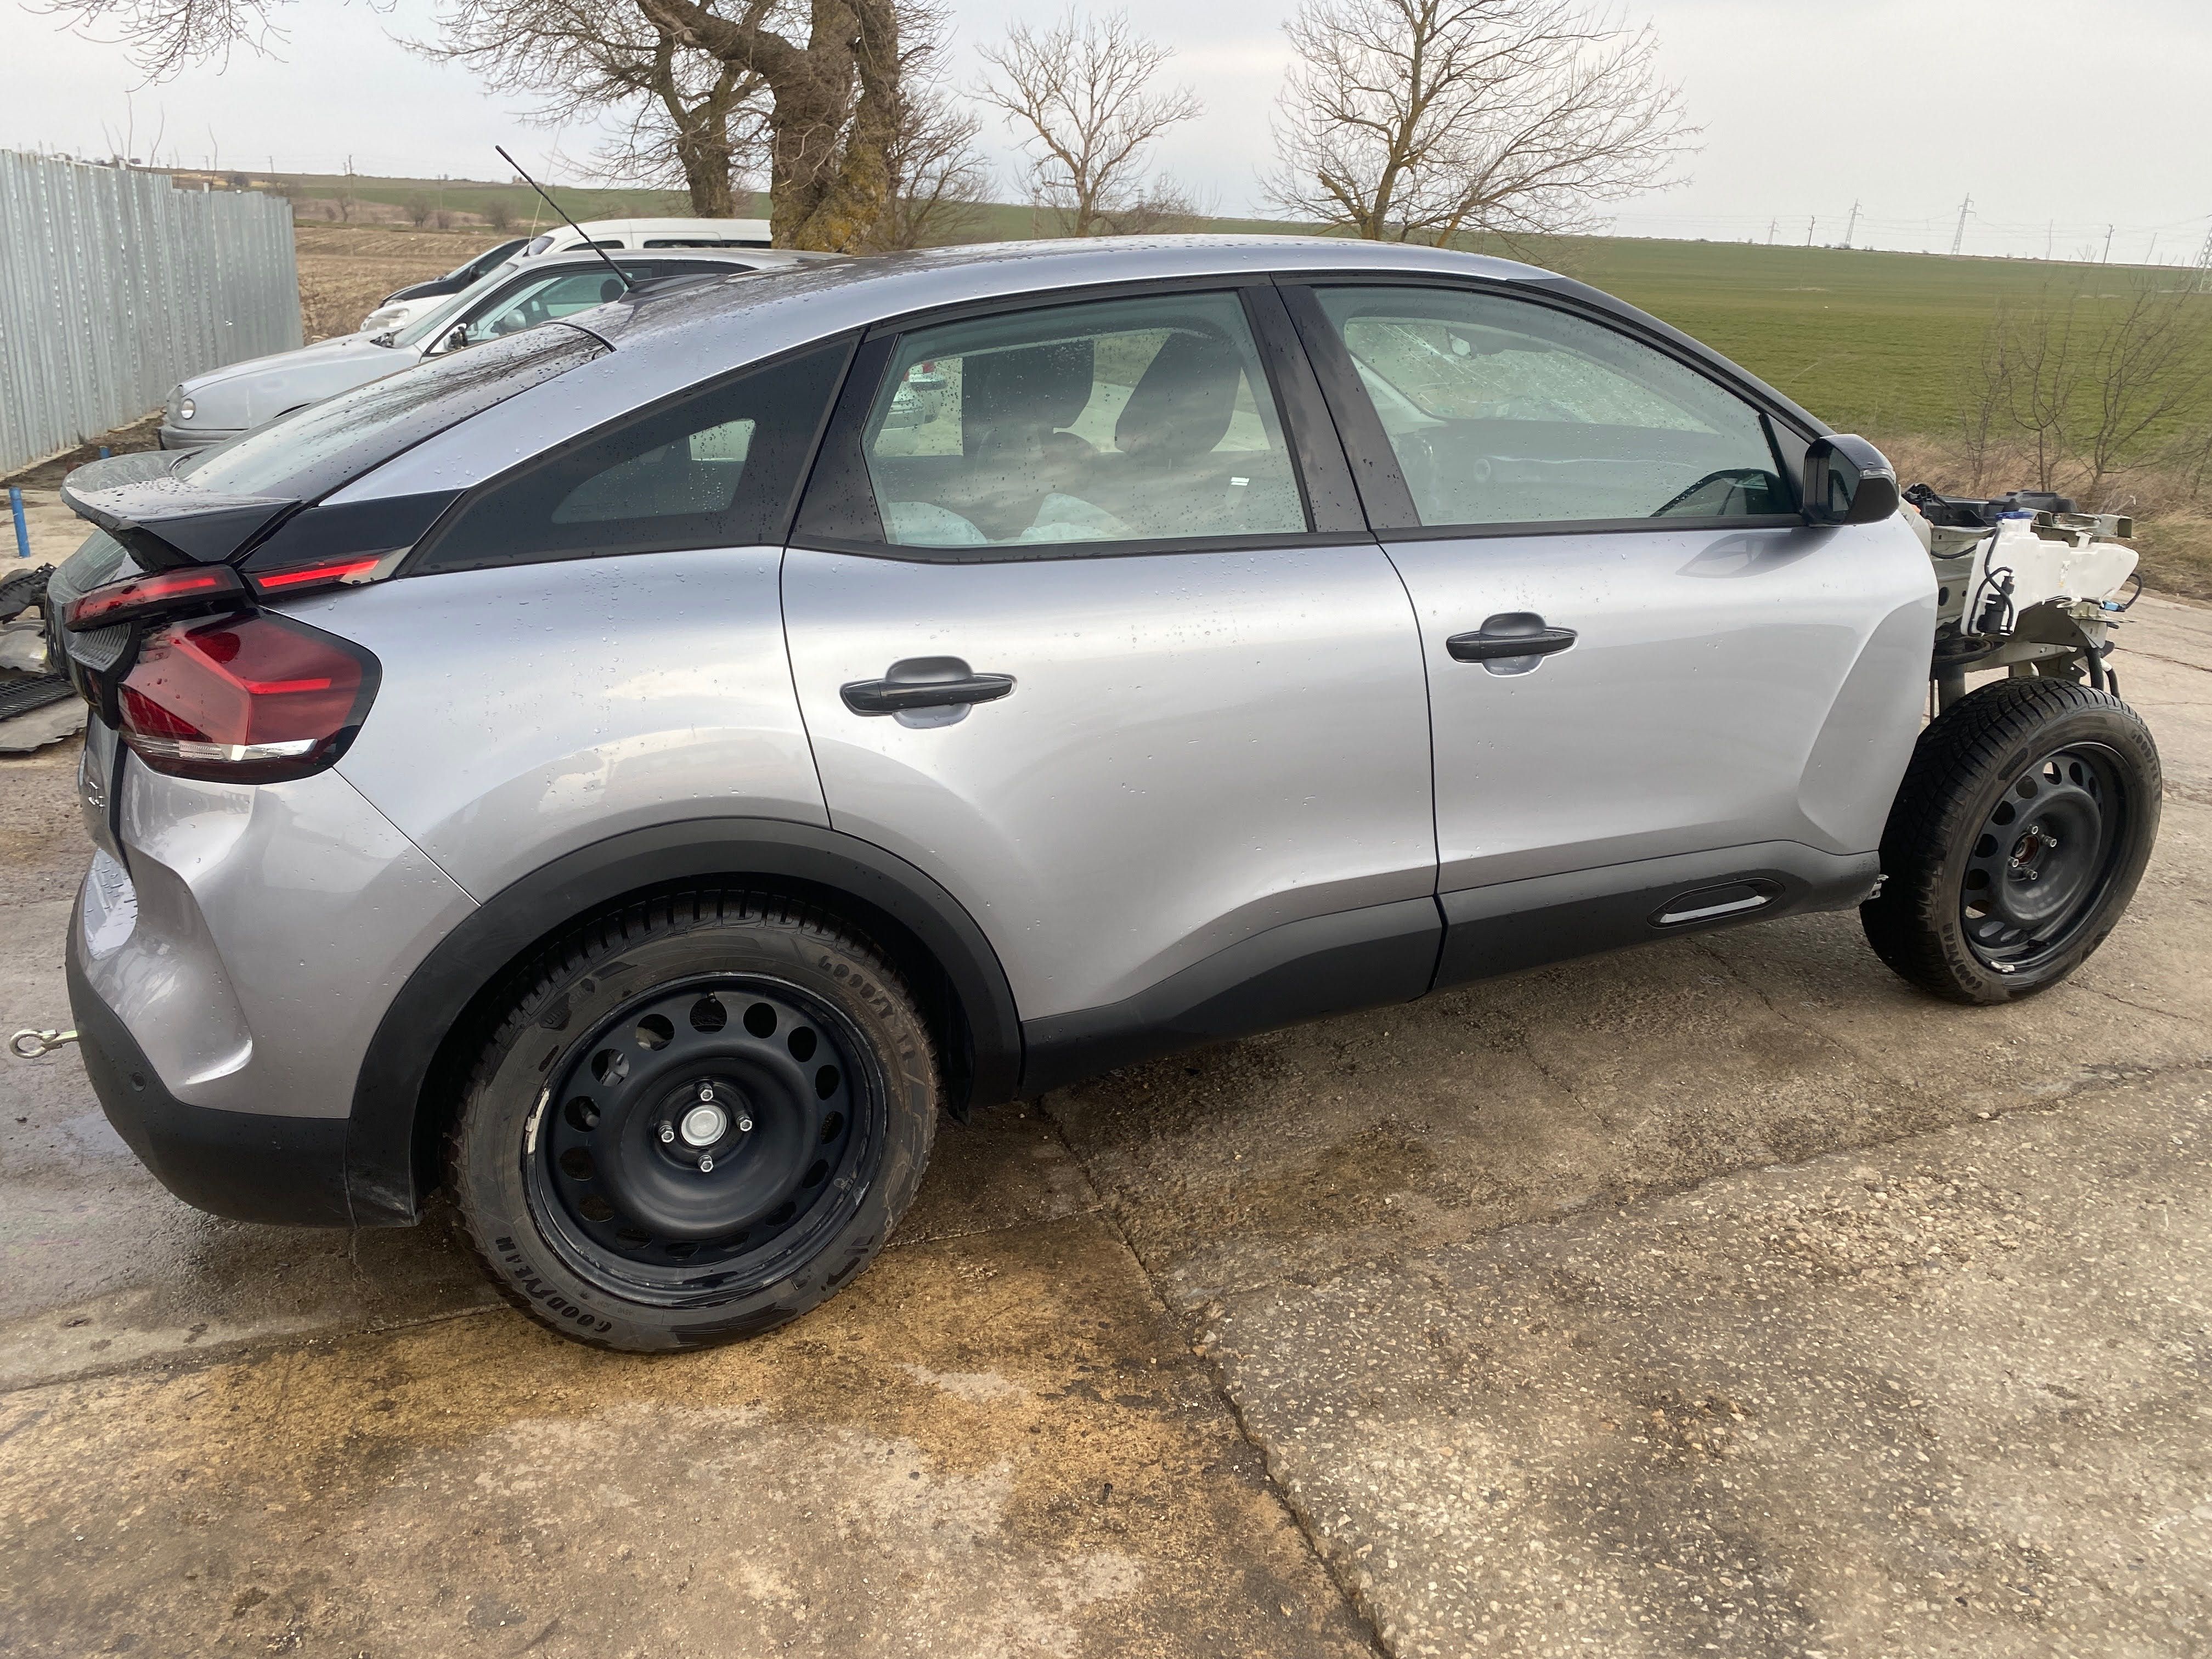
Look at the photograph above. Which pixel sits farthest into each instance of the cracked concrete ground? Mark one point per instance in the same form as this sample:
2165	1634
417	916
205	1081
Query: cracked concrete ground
1724	1298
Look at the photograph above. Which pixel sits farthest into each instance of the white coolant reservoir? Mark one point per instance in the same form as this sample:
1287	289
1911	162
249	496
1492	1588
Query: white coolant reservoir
2021	567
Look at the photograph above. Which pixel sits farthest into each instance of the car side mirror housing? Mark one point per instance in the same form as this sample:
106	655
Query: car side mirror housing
457	336
1848	480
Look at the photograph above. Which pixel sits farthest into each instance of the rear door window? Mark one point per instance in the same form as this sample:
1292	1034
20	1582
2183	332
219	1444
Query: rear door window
1115	421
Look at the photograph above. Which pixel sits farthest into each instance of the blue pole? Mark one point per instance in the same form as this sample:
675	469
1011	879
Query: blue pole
22	530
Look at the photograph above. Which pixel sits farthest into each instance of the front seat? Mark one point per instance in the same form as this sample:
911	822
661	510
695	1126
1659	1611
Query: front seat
1178	411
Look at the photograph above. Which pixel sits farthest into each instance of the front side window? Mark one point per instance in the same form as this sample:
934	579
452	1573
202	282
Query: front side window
1503	412
1119	420
714	467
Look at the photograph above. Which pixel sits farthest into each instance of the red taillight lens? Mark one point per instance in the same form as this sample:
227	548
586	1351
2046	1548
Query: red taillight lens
250	699
164	593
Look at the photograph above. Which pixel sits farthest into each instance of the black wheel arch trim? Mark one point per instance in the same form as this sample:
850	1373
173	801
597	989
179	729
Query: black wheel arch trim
389	1161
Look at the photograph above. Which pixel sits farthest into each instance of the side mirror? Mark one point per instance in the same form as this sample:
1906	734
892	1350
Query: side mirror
457	336
1848	480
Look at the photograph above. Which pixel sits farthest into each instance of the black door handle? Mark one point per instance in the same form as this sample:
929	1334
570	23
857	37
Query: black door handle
904	696
1510	636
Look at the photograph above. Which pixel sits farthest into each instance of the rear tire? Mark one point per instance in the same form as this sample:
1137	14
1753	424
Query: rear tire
2016	840
701	1117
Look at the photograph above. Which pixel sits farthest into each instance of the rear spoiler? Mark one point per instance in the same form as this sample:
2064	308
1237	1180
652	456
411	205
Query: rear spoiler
163	519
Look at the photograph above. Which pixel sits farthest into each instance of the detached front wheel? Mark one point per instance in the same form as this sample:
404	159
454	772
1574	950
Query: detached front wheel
702	1117
2016	840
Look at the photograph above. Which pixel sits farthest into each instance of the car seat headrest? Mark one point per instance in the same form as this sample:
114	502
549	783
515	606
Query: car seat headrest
1183	403
1042	386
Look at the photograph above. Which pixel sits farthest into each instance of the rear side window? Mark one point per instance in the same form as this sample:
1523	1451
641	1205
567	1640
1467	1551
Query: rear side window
1500	411
715	467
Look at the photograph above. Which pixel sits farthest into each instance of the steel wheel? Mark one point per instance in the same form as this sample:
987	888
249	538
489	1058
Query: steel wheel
701	1135
2042	857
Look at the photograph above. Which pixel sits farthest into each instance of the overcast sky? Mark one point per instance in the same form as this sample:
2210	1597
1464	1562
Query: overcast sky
2086	114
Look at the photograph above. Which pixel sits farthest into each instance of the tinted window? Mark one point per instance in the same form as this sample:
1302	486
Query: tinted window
715	467
1503	412
306	455
1120	420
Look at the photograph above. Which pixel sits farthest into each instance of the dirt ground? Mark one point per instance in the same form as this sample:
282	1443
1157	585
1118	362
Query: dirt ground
1722	1297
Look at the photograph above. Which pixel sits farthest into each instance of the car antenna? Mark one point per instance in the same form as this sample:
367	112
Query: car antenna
627	285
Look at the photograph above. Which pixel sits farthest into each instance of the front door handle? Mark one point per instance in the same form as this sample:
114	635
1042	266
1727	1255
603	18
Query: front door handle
1511	642
904	696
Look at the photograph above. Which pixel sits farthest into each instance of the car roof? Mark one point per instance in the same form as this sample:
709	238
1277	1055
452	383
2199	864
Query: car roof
637	227
665	340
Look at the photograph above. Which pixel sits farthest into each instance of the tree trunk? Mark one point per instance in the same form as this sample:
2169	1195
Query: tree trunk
834	119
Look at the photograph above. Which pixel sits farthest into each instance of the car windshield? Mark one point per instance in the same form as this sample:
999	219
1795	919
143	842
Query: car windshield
428	326
306	455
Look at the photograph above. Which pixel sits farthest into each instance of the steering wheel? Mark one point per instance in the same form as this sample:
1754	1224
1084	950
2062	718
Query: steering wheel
1737	476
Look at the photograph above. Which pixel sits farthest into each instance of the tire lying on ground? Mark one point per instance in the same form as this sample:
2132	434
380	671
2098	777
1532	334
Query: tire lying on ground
2016	840
699	1118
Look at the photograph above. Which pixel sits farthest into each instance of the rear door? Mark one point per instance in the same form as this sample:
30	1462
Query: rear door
1174	756
1662	700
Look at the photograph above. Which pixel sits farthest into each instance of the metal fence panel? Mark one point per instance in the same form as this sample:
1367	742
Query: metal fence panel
114	285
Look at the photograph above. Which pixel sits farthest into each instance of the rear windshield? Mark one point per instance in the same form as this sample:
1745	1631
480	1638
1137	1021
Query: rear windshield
306	455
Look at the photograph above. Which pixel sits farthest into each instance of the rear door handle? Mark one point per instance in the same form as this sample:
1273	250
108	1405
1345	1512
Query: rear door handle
1511	642
905	696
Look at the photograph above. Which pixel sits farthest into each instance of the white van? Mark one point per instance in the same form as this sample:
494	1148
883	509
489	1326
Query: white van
650	233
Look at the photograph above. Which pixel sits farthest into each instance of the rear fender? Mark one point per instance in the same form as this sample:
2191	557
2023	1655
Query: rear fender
418	1061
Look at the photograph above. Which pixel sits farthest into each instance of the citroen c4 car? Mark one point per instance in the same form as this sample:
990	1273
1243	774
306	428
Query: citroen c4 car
637	773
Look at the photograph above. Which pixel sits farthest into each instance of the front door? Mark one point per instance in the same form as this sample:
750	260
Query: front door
1065	637
1660	698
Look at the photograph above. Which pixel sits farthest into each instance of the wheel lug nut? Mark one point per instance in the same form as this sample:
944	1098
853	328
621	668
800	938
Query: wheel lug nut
667	1135
745	1124
705	1166
706	1092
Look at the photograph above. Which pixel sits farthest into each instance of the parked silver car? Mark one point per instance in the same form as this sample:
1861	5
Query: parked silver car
639	771
211	408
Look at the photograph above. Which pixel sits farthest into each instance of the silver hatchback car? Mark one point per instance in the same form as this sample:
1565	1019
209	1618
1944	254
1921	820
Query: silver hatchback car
636	773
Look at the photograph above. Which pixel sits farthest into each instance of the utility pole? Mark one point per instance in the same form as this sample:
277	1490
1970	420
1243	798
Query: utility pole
1958	236
2049	230
2151	258
1809	223
1772	225
2203	265
1850	228
2107	259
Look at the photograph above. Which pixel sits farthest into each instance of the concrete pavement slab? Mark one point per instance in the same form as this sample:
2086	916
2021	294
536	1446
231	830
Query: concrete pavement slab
992	1445
1948	1398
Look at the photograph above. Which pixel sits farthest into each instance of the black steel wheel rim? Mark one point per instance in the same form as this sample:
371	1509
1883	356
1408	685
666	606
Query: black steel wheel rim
2046	853
706	1138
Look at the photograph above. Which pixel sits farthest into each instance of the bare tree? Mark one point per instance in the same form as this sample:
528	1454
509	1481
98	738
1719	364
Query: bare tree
1079	93
938	179
691	119
834	112
2088	390
1416	120
830	68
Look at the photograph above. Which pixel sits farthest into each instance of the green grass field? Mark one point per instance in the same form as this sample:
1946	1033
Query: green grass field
1882	343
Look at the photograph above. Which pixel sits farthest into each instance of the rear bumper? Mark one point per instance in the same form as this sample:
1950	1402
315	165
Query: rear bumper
250	1166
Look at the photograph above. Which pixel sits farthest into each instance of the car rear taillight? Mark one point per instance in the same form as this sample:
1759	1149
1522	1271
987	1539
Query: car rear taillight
244	698
192	587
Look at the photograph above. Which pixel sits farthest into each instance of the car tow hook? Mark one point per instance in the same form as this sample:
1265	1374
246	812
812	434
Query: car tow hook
28	1044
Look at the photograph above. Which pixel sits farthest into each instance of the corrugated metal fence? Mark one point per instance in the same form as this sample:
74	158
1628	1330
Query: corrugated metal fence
114	286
